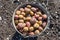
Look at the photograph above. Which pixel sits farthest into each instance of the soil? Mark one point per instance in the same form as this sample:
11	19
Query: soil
7	8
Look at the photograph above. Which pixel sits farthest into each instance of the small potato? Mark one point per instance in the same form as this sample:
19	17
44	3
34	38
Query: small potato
27	10
25	29
28	24
31	28
21	9
37	31
36	21
23	13
28	18
21	16
31	13
44	24
24	18
24	24
40	18
16	21
33	17
16	17
18	12
44	16
33	20
36	16
21	21
33	9
39	13
31	33
40	28
36	25
20	25
28	6
40	22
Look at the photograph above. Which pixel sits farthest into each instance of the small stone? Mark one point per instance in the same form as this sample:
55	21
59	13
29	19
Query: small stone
0	18
56	12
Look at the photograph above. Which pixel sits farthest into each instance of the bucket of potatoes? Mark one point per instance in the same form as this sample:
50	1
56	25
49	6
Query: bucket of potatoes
30	19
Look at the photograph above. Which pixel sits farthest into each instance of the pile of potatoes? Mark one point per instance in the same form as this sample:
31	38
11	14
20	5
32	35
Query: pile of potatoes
30	20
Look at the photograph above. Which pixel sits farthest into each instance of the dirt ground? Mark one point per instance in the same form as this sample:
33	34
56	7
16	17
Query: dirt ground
7	8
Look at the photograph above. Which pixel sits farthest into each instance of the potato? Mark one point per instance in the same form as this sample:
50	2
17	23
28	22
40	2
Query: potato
28	24
23	13
33	20
36	16
40	22
28	6
28	18
31	13
24	18
25	29
21	9
36	21
31	33
18	12
40	18
16	21
39	13
27	10
31	28
21	16
20	25
33	9
24	24
44	24
36	25
16	17
21	21
44	16
37	31
40	28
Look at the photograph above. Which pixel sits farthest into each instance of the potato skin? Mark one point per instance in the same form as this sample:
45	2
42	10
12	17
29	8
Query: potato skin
23	13
44	16
36	25
40	28
44	24
31	28
21	9
33	20
28	18
16	21
16	17
25	29
28	24
20	25
18	12
33	9
21	21
40	18
27	10
21	16
31	33
37	32
28	6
